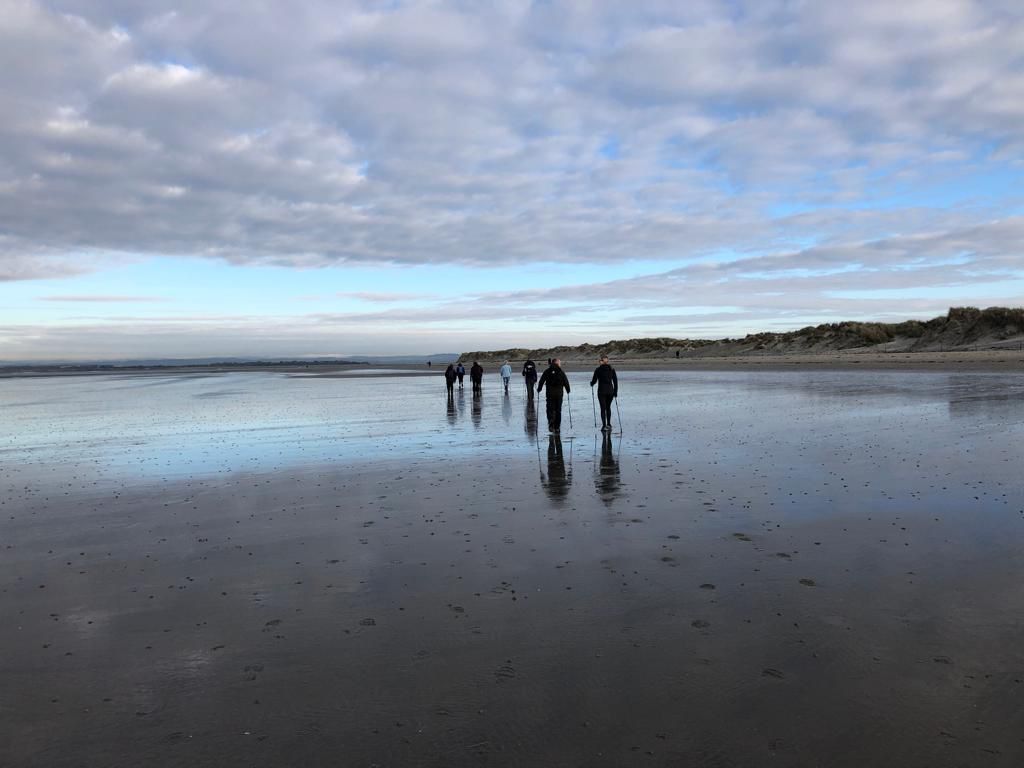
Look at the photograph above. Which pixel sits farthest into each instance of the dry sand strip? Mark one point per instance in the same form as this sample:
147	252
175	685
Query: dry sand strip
981	361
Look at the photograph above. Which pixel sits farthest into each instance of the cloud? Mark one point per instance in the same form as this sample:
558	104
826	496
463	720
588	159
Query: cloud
380	297
429	133
104	299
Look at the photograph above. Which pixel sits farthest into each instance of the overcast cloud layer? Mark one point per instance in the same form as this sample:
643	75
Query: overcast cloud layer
776	156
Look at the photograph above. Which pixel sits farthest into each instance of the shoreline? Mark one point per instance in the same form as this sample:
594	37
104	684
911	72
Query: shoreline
987	361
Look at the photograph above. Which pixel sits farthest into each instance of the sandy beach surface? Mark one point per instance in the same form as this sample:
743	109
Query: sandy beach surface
766	567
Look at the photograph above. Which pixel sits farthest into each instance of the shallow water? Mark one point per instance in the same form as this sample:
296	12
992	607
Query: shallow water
801	568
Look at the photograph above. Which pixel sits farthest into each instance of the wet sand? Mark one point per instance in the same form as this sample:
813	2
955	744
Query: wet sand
785	569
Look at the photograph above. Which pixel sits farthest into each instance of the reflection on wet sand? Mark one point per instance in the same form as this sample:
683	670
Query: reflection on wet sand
558	480
506	409
477	409
452	414
530	418
607	478
970	400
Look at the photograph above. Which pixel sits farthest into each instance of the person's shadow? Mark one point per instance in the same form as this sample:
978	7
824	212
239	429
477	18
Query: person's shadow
477	408
506	410
607	479
452	413
558	480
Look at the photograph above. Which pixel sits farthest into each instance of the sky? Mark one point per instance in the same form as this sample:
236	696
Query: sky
342	177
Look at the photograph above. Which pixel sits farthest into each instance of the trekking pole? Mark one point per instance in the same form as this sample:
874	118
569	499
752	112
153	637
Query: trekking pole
568	399
619	414
539	470
593	407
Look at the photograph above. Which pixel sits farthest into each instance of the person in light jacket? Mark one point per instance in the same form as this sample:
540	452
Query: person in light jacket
506	375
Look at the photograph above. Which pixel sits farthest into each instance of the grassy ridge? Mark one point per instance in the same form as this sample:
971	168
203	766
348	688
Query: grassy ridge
960	328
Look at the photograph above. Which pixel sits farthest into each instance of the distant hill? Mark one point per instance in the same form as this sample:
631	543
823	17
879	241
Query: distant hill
962	328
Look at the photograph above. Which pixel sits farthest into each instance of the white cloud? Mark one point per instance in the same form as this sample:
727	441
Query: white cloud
429	133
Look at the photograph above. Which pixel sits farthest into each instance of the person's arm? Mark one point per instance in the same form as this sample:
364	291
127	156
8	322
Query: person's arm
615	384
543	380
593	379
565	378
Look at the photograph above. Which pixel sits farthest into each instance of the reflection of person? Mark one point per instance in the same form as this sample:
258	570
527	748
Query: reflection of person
477	411
476	376
460	371
452	413
449	378
530	374
506	375
558	480
607	390
607	479
558	384
531	416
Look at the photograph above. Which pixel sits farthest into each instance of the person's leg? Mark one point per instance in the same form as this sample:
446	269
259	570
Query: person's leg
552	418
556	406
606	410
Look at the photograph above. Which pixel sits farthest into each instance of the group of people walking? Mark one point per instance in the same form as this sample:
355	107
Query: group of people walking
553	381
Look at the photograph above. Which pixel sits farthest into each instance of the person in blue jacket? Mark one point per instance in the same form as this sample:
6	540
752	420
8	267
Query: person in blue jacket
506	375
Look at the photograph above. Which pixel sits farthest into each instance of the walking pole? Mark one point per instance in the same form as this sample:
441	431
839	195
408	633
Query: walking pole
568	399
619	414
593	407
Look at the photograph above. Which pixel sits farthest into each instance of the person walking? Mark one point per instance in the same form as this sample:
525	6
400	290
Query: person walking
476	377
557	382
506	375
607	390
460	371
530	374
449	378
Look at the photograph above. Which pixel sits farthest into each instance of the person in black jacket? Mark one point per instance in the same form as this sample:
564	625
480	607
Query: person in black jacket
607	390
449	378
557	383
476	375
530	374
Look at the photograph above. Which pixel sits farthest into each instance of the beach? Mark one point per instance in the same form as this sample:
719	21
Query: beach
792	567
